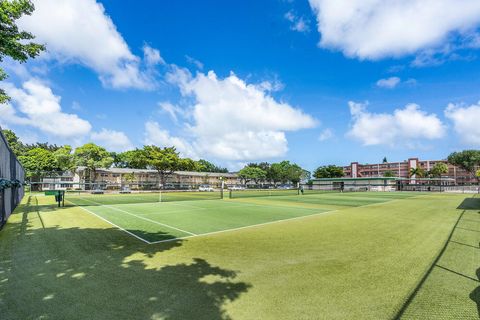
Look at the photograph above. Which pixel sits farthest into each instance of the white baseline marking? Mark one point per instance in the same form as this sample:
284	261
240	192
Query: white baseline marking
246	227
143	218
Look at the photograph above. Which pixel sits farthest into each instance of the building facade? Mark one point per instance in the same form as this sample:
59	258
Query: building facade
402	170
114	178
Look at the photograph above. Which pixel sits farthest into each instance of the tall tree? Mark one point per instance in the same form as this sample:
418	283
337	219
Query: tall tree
330	171
135	159
384	160
417	172
439	169
206	166
164	160
187	164
65	159
468	160
15	43
92	157
37	162
250	173
14	142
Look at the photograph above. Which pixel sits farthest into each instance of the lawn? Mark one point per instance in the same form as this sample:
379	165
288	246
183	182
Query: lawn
342	256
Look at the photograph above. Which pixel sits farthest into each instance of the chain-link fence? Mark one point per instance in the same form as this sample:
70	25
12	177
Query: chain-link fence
12	176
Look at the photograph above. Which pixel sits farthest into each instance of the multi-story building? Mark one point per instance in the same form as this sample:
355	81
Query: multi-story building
403	169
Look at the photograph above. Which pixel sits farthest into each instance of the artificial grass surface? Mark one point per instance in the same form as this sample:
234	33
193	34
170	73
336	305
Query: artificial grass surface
357	262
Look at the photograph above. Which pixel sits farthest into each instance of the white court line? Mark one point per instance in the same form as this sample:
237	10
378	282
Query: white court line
113	224
226	230
146	219
272	222
246	227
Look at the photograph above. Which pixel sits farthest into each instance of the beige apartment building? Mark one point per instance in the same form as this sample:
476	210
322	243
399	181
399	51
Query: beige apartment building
402	170
114	178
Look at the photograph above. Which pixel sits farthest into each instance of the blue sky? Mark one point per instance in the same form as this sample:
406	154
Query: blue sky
316	82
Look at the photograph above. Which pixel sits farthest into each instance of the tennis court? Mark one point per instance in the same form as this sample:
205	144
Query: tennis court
155	217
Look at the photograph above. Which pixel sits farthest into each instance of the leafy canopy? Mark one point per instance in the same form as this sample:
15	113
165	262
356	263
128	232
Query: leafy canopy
14	42
330	171
417	172
439	169
164	160
467	159
92	156
252	173
38	160
135	159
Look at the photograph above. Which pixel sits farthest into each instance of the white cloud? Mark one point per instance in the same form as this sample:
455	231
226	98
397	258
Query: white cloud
388	83
236	121
170	109
466	122
35	105
194	61
404	126
326	134
152	56
112	140
79	31
297	23
157	136
374	29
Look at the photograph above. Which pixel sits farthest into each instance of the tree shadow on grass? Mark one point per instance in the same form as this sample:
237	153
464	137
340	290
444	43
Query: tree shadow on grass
475	294
466	206
88	273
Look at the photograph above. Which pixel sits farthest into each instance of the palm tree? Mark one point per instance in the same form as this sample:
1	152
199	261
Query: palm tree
417	172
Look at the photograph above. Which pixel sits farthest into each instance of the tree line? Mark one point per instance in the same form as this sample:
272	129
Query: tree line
268	173
41	158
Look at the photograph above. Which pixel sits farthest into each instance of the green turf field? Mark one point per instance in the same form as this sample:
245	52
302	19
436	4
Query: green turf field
318	256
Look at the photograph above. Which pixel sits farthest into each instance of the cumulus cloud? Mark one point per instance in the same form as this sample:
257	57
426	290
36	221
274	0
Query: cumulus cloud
155	135
152	56
403	126
374	29
35	105
112	140
79	31
388	83
326	134
466	121
236	121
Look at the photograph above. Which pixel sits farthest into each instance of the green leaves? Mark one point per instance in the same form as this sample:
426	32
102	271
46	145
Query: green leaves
92	156
467	159
38	160
252	173
330	171
439	169
13	42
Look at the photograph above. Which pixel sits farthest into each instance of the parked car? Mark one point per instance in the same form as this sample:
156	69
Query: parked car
125	190
97	191
205	188
237	188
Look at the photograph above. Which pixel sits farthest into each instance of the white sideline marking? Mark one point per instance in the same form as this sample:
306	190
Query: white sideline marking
146	219
221	231
113	224
245	227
